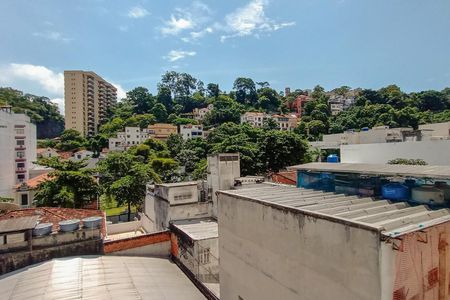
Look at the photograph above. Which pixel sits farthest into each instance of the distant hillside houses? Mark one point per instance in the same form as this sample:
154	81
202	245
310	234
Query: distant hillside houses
257	119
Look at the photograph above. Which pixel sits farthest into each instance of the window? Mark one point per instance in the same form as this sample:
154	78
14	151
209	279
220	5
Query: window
20	142
20	131
20	165
203	256
20	154
21	177
24	199
182	197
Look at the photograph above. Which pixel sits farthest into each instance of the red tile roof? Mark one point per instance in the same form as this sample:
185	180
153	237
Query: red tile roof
55	215
65	154
34	182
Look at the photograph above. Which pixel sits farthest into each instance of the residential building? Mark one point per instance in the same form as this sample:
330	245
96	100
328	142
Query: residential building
168	202
286	122
131	136
298	105
161	131
282	242
199	113
46	153
26	191
255	119
87	97
336	107
82	154
17	149
191	131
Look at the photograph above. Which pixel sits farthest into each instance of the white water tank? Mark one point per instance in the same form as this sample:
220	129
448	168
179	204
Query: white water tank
427	194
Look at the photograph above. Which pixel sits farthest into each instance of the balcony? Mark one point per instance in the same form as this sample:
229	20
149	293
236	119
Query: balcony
19	159
20	148
20	137
21	170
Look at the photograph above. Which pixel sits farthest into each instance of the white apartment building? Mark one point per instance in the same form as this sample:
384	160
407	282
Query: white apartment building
17	150
255	119
199	113
132	136
336	107
191	131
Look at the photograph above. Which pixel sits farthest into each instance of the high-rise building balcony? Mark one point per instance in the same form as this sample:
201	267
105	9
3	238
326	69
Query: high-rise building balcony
20	147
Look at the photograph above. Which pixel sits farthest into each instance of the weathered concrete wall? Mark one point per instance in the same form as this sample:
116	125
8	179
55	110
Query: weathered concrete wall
433	152
269	252
16	260
161	249
122	227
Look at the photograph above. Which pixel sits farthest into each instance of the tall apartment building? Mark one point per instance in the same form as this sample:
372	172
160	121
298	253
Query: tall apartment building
17	150
87	97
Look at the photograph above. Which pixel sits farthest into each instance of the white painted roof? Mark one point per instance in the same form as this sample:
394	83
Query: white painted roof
200	229
99	277
389	218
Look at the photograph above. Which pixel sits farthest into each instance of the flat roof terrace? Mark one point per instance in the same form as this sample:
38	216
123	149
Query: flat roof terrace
391	219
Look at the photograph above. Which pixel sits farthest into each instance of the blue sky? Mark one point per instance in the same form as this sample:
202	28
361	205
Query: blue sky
296	43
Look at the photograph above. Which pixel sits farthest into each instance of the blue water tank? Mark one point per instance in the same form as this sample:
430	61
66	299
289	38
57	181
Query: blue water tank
365	129
333	158
395	191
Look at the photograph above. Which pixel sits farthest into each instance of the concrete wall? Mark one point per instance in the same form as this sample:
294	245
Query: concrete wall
439	129
433	152
160	212
16	260
277	253
122	227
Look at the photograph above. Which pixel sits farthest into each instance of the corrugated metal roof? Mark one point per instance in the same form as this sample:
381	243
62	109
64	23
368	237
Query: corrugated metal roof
185	183
200	229
442	172
100	277
18	224
391	219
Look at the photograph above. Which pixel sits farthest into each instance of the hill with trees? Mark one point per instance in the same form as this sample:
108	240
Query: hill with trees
49	122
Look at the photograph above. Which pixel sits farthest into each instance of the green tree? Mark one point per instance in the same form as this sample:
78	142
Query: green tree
160	112
225	110
213	90
125	178
166	168
245	91
69	185
71	140
141	100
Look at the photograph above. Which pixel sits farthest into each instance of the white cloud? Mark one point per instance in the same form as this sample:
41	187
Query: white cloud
52	35
50	81
121	93
60	103
175	55
250	20
176	25
137	12
185	18
195	35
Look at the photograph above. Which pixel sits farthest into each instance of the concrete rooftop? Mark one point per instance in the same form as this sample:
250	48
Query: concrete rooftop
442	172
99	277
198	229
389	218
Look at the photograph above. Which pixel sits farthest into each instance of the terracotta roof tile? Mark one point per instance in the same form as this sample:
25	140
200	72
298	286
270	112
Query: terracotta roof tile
34	182
54	215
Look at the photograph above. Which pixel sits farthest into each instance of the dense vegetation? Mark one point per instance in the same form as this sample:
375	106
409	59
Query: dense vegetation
43	113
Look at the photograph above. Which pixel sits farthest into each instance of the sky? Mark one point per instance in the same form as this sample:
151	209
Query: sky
295	43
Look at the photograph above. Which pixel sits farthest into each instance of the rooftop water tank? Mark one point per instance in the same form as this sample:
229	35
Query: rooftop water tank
332	158
395	191
427	194
443	186
69	225
365	129
92	222
42	229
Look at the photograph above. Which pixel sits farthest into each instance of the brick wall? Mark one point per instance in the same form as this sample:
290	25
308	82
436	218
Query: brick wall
135	242
289	177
